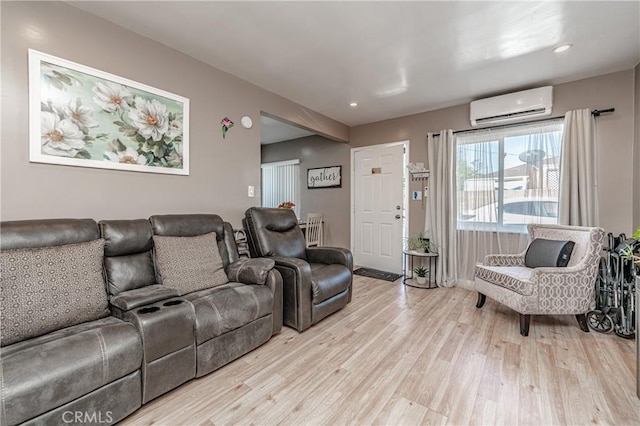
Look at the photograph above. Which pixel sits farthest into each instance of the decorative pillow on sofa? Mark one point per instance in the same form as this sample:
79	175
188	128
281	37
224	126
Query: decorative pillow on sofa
189	264
49	288
548	253
250	271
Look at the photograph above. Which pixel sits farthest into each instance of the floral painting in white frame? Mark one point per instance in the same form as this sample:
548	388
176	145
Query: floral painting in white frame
80	116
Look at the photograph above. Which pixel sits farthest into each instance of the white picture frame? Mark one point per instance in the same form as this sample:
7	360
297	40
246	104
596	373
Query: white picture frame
81	116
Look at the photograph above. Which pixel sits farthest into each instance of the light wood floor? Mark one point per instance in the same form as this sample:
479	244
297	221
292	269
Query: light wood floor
399	355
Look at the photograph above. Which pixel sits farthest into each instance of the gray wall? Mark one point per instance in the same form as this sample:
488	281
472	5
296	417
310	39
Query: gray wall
615	137
333	203
221	169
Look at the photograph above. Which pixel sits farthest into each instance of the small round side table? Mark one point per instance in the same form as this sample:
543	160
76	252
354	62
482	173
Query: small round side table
432	264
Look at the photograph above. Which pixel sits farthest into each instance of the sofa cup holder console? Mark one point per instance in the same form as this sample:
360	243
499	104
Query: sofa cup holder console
150	310
168	331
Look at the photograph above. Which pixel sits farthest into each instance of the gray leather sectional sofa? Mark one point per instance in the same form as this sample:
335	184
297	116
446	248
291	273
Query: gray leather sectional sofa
100	318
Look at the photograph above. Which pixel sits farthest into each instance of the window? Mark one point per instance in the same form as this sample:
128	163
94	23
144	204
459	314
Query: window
508	177
281	183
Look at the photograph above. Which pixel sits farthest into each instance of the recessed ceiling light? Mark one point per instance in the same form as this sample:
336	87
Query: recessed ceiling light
353	104
562	48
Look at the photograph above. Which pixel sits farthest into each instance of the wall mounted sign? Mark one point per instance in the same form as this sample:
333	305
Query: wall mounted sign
324	177
80	116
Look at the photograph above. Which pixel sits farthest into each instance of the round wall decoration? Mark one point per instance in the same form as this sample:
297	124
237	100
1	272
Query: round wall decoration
246	122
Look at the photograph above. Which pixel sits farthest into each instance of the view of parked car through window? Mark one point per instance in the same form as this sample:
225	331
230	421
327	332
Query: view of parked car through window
517	211
509	178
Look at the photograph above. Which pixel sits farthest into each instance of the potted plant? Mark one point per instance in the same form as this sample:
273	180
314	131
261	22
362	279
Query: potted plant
418	243
631	251
286	205
421	275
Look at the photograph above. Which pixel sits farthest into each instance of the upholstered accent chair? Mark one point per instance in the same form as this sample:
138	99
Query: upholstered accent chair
317	281
545	290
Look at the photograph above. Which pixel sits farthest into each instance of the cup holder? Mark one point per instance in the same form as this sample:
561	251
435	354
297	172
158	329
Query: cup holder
172	303
148	310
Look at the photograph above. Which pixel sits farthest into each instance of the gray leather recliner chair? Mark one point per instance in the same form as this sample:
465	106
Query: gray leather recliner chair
317	281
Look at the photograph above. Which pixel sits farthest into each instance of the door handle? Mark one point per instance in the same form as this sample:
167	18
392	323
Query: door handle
398	207
398	216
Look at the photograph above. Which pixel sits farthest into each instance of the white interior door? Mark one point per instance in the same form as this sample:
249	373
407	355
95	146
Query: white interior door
378	207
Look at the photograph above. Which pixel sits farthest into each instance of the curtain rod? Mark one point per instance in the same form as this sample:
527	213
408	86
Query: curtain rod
595	113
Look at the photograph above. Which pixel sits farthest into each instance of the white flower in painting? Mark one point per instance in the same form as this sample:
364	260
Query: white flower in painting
150	118
81	116
111	96
61	138
128	156
175	129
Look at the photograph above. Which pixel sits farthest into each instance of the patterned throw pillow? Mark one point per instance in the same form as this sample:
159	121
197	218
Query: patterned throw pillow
189	264
49	288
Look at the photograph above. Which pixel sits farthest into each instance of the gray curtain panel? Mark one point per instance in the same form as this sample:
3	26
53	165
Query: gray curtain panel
578	204
441	204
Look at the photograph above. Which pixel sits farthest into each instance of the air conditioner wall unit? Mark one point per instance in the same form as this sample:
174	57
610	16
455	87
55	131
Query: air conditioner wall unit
512	107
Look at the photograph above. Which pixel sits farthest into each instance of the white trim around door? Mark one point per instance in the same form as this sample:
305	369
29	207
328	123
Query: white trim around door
378	254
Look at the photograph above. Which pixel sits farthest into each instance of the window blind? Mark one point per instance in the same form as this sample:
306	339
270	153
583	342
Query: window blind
281	183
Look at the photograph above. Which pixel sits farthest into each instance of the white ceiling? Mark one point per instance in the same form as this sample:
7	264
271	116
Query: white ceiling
273	131
393	58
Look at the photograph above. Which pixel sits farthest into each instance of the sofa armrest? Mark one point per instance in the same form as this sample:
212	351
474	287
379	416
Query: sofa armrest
260	271
504	259
250	271
296	283
301	266
274	282
132	299
330	256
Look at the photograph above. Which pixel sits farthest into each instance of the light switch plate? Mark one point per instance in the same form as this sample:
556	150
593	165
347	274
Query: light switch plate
251	191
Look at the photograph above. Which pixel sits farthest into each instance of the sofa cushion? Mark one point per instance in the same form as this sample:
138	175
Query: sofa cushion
328	280
274	232
49	288
43	373
128	261
189	264
189	225
126	273
250	271
548	253
47	233
514	278
228	307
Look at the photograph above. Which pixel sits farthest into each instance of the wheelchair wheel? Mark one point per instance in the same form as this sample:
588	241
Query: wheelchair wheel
599	322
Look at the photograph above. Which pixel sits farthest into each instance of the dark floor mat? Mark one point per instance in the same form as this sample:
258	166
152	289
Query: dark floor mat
374	273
